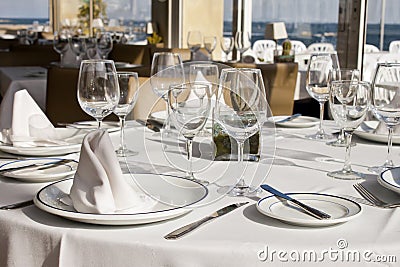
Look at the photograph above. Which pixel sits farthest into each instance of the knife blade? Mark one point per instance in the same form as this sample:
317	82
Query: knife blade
190	227
40	166
289	118
309	210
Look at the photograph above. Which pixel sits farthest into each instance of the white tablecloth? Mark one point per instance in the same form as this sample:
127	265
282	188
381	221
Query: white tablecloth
32	237
32	78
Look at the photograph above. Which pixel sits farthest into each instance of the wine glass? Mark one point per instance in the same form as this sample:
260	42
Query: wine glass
90	44
385	104
104	44
77	46
98	89
210	42
317	86
349	101
31	35
189	114
227	44
205	73
128	94
194	41
61	44
338	75
242	42
166	70
241	114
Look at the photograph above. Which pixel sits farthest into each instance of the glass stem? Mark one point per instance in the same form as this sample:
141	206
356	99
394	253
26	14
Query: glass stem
167	125
98	123
189	145
121	133
241	184
347	162
321	118
389	162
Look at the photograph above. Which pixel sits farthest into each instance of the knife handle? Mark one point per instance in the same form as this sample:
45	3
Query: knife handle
310	210
187	228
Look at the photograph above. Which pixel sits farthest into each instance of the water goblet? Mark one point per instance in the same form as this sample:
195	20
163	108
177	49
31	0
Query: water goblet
194	41
98	89
104	44
349	101
242	42
61	44
227	44
189	114
77	46
208	74
241	114
166	70
128	94
385	104
210	42
90	44
317	86
338	75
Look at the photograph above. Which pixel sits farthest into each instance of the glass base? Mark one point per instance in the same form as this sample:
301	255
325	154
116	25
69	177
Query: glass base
320	137
125	152
346	175
379	169
339	143
239	191
192	178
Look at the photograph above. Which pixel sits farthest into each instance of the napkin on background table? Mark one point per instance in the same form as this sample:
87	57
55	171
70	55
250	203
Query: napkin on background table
23	123
99	185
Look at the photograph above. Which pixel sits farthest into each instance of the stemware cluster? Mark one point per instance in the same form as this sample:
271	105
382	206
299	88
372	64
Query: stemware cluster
241	41
195	40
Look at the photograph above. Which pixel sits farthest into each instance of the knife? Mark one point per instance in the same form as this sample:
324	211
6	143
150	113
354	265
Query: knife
289	118
309	210
41	166
190	227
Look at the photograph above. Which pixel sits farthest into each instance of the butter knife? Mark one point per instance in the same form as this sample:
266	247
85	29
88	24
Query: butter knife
190	227
40	166
289	118
309	210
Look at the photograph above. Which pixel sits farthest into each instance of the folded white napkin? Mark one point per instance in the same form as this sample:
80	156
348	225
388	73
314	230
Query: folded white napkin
23	123
99	185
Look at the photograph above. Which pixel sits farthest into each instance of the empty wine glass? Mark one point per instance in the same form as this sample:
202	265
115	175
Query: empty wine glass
90	46
385	104
194	41
210	42
241	114
77	46
166	70
98	89
242	42
227	44
317	79
104	44
338	75
205	73
31	35
128	94
189	114
61	44
349	101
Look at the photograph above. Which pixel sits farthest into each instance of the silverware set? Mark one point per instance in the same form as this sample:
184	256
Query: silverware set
374	200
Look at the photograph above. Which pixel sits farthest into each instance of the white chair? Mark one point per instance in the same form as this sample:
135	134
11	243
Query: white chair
320	47
369	48
265	48
394	46
298	46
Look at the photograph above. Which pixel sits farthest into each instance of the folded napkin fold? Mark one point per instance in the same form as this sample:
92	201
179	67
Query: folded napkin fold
99	185
23	123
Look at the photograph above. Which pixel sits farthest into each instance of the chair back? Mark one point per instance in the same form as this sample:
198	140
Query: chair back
321	47
298	46
369	48
394	46
267	47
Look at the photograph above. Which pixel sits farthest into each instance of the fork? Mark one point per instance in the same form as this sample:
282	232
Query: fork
373	199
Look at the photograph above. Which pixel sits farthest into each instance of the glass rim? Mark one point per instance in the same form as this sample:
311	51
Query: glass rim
241	70
166	53
97	60
351	82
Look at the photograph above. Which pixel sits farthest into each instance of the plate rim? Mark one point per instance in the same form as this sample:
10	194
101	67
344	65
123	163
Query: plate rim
292	123
388	185
305	222
96	218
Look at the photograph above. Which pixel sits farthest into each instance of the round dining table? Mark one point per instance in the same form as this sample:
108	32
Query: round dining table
245	236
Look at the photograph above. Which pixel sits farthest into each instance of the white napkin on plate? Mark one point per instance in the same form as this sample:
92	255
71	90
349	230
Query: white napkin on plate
24	124
99	185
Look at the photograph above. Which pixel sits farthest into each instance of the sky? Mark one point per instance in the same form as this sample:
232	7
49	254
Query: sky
264	10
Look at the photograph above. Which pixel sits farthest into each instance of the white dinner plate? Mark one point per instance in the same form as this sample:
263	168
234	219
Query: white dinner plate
390	179
73	136
110	126
161	116
39	174
368	134
340	209
299	122
170	197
